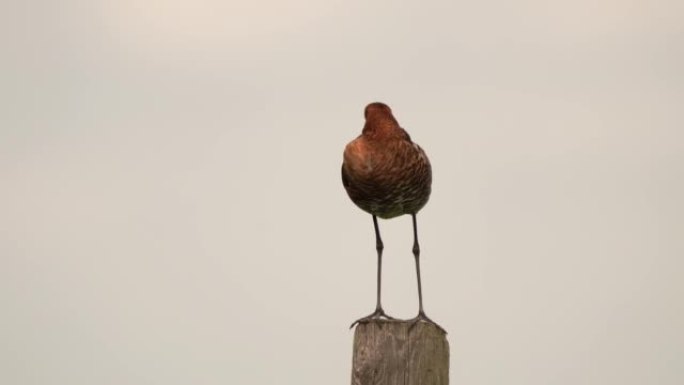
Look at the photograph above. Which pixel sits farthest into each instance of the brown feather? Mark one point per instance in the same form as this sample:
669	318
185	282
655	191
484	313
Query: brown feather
383	171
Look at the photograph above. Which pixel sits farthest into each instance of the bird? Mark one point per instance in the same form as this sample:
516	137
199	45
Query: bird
387	175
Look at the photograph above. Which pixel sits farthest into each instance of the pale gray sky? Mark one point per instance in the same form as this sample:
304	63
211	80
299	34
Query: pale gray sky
171	210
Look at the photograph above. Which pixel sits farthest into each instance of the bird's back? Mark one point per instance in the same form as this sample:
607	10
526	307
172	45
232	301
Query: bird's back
387	175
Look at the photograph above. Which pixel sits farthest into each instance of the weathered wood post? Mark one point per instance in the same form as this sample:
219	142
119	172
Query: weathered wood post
394	353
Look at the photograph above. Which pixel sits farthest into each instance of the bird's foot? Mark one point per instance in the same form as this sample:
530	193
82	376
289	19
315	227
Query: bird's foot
378	314
422	317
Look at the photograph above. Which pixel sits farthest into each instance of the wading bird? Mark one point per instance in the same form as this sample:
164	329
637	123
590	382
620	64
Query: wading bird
387	175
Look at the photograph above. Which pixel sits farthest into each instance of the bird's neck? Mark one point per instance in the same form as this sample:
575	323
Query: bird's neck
381	127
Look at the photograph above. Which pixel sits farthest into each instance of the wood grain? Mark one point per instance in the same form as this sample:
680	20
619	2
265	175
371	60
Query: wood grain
394	353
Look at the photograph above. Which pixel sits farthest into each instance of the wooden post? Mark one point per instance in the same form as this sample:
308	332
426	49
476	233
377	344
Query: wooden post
394	353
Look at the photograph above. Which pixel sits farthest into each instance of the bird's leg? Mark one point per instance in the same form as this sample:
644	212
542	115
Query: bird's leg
416	254
379	313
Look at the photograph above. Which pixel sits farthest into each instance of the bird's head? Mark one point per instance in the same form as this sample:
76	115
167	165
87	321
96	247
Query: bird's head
380	122
377	109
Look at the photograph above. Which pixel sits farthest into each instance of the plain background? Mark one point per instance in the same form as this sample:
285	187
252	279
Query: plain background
171	210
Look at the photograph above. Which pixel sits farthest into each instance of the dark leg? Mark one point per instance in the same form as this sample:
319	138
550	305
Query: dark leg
416	254
378	313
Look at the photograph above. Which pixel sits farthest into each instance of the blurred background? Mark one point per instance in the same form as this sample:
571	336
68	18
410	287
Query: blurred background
171	210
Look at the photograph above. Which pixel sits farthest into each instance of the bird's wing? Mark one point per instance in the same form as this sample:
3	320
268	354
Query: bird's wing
345	177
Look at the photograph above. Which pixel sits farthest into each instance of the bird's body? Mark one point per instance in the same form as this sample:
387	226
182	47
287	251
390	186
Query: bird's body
387	175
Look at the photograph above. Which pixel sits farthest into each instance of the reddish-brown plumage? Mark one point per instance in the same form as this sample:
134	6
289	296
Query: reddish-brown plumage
384	172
